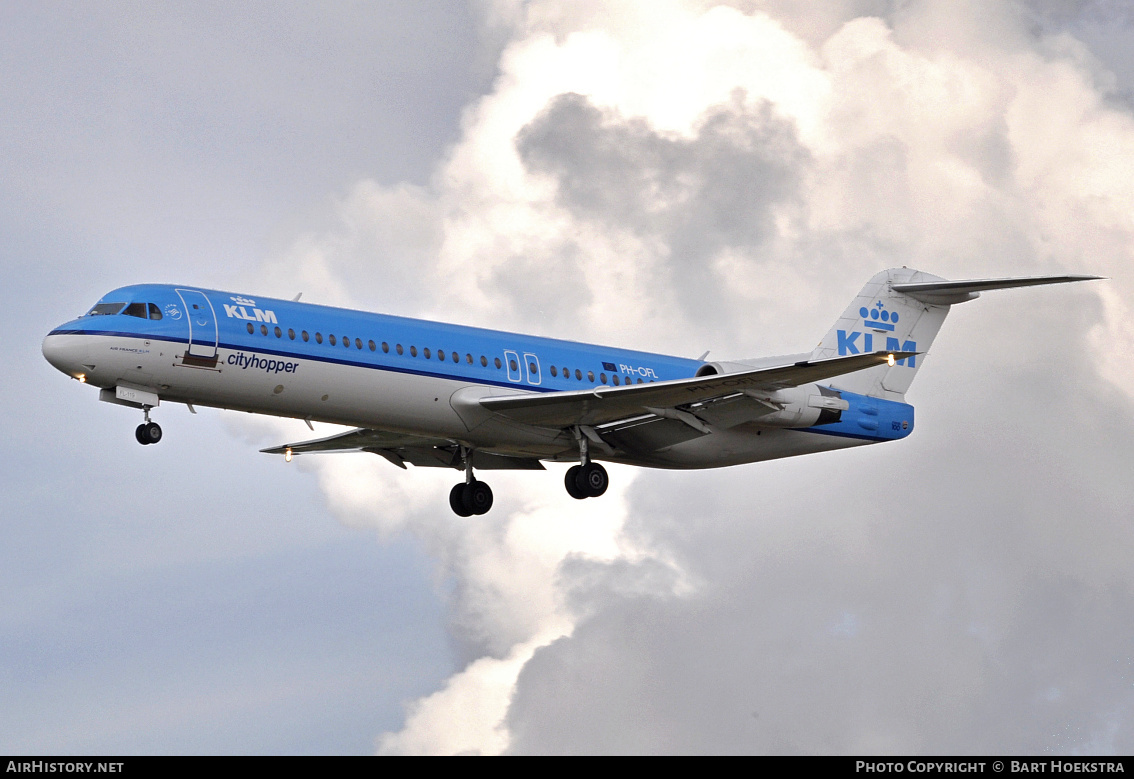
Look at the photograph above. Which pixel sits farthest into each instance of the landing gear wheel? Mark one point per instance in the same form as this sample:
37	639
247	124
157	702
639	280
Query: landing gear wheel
148	433
457	500
472	498
592	480
477	498
571	482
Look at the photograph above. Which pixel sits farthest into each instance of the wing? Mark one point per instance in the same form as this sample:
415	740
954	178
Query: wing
608	404
401	449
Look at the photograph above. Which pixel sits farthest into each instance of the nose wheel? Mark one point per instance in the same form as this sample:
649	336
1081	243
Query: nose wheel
148	433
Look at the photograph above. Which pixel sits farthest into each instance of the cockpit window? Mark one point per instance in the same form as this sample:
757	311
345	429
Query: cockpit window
103	309
138	310
155	312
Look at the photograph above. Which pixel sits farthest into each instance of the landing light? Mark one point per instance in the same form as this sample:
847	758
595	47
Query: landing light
890	360
287	455
82	378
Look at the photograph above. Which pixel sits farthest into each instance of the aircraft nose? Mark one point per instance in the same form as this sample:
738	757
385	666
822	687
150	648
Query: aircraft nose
67	352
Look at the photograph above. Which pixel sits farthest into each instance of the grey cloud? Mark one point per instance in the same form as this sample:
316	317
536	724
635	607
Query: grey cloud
692	197
964	591
817	655
549	288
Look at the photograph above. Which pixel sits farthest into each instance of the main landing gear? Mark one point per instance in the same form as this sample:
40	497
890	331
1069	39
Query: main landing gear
148	432
587	479
470	496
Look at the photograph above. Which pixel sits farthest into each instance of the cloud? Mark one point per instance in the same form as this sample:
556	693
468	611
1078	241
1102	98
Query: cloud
689	199
679	176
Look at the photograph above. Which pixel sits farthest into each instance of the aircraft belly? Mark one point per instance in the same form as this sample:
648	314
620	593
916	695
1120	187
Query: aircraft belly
288	386
413	404
738	446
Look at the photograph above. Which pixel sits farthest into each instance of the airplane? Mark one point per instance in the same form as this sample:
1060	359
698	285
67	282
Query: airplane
440	395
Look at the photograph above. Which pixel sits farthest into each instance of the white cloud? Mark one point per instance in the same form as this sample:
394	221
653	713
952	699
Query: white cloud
869	603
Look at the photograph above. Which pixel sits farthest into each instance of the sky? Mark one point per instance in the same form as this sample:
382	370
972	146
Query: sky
672	176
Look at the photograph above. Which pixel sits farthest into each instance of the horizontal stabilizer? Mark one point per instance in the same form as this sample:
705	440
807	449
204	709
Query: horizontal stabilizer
608	404
944	293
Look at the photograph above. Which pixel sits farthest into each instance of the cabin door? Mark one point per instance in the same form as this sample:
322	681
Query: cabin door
202	324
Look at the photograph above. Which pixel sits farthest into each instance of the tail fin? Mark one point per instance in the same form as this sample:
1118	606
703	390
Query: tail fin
901	309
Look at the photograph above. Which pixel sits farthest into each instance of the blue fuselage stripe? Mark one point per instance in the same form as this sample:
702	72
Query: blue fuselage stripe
225	327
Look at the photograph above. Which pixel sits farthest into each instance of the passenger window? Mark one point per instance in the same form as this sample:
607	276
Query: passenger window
306	337
468	359
400	350
483	361
372	346
263	329
441	355
512	364
533	369
498	363
331	340
590	376
614	378
279	333
413	351
346	341
554	371
319	338
578	375
155	312
602	376
251	329
426	352
385	348
291	334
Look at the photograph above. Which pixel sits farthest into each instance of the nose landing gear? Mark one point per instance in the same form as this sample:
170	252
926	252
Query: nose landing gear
148	432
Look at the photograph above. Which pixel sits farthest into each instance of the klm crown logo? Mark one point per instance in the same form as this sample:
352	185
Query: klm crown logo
878	318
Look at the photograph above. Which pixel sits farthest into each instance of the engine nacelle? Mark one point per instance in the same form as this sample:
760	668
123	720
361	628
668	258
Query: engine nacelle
714	368
794	409
803	406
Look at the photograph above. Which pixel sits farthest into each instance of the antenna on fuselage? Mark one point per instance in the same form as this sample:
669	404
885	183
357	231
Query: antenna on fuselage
703	356
297	297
